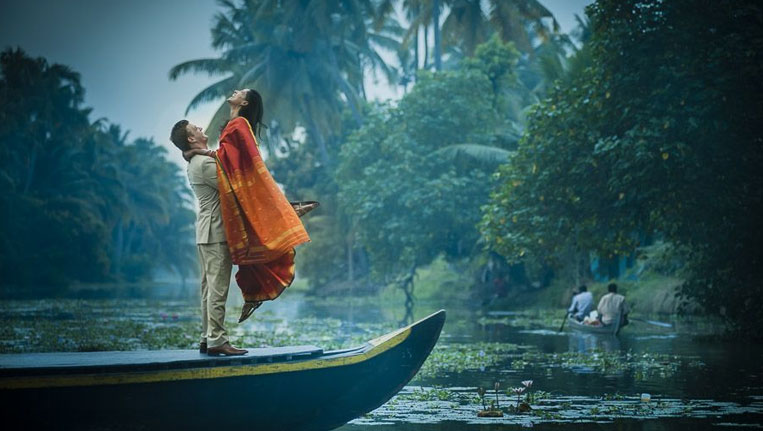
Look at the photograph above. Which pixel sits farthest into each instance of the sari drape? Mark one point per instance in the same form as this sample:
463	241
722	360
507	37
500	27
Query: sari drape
260	224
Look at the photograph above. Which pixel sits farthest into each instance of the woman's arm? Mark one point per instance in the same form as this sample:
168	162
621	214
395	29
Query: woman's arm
197	151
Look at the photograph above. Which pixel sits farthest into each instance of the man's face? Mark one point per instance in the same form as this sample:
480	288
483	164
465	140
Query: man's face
196	134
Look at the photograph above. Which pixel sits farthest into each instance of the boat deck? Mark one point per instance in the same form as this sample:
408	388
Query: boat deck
40	363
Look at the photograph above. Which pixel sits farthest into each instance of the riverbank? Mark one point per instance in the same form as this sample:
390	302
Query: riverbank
651	293
138	290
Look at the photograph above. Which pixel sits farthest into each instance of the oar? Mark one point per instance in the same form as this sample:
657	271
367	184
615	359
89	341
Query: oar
564	320
652	322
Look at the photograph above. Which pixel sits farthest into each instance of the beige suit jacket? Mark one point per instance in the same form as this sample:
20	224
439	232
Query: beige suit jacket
202	174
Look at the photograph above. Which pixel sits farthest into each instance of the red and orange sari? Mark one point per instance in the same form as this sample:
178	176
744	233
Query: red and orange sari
261	225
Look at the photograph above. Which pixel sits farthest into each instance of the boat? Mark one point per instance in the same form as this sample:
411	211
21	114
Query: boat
284	388
612	329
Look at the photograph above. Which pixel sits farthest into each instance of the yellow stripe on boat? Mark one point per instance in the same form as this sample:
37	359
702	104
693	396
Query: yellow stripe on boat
380	345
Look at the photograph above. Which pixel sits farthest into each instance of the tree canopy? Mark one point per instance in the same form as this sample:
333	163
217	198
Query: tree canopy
81	202
658	137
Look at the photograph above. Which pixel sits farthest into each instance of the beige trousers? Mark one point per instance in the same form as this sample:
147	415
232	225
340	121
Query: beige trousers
216	267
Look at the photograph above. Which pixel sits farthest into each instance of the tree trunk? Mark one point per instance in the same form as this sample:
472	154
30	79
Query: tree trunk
350	257
406	283
436	24
119	241
426	46
130	238
349	93
416	57
30	171
312	129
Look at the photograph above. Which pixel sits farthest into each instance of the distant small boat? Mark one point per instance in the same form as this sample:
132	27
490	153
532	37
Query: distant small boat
287	388
611	329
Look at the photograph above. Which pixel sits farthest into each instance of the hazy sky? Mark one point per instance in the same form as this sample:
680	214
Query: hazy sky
125	49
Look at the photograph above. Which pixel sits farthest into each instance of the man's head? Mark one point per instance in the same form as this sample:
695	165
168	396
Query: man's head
612	288
582	288
187	135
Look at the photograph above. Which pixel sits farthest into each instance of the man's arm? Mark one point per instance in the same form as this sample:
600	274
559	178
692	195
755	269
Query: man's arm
187	155
574	305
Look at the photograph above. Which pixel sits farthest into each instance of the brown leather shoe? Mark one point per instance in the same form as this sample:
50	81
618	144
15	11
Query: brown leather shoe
225	350
203	347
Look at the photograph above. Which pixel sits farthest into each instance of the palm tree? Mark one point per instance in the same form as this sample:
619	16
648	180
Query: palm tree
306	58
556	58
418	14
468	24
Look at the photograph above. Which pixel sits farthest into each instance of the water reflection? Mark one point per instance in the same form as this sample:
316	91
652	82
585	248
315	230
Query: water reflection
588	343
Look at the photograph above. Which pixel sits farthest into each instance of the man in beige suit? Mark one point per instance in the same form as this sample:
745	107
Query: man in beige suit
210	239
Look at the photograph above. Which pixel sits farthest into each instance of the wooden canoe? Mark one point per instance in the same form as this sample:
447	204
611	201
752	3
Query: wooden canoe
288	388
612	329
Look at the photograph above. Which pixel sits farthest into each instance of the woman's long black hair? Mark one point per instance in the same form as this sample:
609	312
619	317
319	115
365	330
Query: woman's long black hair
253	111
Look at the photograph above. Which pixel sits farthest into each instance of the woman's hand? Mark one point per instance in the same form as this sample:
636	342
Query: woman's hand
197	151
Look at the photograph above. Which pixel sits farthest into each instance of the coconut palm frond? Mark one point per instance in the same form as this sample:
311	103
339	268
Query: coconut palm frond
481	153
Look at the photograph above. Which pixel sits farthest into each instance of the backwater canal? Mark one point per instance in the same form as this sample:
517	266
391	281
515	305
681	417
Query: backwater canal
579	381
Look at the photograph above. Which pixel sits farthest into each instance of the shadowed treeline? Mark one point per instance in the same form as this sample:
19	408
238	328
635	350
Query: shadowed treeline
81	201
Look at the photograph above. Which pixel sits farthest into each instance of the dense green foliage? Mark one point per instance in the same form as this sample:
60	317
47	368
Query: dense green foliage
79	202
657	137
395	178
310	60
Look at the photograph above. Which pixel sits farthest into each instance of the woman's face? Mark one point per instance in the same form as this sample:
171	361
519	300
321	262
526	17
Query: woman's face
238	98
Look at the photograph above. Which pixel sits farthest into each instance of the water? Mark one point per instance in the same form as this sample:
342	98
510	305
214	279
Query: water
579	380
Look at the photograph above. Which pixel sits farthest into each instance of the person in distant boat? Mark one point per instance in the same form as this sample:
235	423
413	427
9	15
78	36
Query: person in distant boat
612	305
214	257
582	304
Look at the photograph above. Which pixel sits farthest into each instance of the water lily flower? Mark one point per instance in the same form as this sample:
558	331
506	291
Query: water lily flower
482	353
527	383
518	390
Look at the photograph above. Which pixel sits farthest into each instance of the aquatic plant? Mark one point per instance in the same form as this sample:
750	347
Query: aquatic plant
518	391
529	396
481	393
495	408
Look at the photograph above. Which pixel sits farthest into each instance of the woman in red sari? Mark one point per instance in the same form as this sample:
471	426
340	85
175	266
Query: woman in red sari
262	227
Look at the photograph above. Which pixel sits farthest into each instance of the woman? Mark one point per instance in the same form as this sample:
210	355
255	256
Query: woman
261	226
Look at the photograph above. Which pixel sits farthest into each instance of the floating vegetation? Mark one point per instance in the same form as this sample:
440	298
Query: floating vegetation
459	357
643	365
407	407
67	325
529	319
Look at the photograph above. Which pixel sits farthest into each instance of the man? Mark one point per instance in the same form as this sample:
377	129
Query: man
582	304
612	305
212	247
